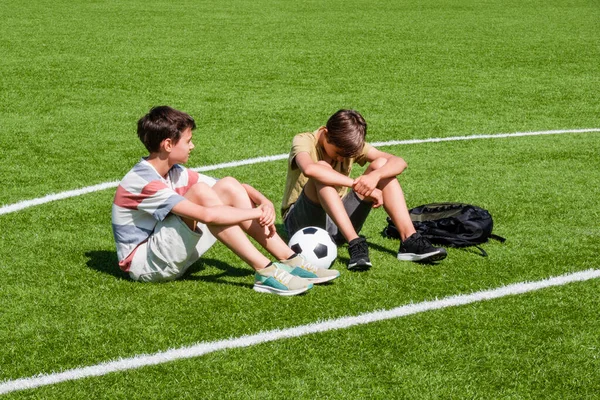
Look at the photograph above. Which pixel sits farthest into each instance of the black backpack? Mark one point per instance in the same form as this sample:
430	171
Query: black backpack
451	224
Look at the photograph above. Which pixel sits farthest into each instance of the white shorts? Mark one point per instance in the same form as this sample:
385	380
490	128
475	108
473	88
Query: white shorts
171	248
169	251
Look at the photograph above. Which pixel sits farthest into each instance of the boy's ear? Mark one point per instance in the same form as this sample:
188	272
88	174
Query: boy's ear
325	134
322	131
167	144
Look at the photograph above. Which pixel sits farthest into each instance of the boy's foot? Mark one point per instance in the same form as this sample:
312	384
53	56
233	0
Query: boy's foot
359	255
417	248
299	266
277	280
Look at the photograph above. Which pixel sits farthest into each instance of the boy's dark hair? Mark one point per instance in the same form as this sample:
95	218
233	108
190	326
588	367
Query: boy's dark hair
346	130
163	122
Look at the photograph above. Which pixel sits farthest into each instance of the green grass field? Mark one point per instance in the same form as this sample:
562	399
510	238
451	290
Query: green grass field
75	77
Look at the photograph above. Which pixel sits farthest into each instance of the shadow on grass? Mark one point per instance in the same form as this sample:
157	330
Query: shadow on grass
384	249
226	271
106	261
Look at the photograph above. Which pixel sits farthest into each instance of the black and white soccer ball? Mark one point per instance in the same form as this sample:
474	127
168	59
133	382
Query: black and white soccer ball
315	245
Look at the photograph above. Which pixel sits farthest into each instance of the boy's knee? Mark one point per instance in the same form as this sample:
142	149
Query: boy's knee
317	186
324	164
201	194
376	164
229	186
229	182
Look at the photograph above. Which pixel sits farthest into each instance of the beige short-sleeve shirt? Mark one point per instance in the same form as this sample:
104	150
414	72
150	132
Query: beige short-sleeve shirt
307	142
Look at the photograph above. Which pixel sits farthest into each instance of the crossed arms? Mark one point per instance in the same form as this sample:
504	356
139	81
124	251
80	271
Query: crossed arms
383	165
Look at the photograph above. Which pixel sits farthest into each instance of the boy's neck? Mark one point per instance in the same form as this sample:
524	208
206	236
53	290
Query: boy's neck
160	163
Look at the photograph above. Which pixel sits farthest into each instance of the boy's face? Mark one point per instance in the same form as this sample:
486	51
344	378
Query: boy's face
332	151
180	152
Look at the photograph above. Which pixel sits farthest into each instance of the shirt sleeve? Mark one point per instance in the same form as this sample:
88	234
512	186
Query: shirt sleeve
154	198
160	204
302	142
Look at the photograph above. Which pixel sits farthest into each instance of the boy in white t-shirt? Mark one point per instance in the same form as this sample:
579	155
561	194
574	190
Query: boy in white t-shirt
165	216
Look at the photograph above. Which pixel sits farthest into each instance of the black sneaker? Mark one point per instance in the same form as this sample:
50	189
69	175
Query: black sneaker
417	248
359	255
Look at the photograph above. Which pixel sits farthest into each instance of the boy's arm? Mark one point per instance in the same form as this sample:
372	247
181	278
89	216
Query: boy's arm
321	173
217	215
392	166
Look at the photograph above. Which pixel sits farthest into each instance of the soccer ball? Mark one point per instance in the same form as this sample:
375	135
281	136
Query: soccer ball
315	245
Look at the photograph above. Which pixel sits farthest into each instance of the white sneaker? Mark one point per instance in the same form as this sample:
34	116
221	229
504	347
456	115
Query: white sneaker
299	266
277	280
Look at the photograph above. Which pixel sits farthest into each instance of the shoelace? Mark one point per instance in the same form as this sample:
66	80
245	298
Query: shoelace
306	265
422	244
282	276
358	249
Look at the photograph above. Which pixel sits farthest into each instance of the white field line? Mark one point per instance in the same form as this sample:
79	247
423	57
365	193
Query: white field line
10	208
203	348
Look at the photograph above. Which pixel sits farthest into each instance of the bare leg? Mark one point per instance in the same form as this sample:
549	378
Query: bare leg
232	193
394	202
331	202
232	236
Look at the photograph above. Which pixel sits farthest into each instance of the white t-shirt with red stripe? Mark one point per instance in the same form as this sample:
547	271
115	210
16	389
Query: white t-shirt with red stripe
143	198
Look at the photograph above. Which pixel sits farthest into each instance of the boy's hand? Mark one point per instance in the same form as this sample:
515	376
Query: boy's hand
376	197
267	217
366	184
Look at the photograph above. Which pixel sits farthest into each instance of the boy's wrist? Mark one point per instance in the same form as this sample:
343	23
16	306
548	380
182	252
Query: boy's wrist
376	174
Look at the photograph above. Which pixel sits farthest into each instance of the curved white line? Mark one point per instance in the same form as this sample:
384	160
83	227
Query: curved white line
203	348
10	208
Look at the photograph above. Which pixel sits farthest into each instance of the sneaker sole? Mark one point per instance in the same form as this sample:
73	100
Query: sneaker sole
268	289
322	279
433	256
359	267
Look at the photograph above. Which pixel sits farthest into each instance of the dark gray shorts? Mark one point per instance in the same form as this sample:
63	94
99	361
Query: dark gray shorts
305	213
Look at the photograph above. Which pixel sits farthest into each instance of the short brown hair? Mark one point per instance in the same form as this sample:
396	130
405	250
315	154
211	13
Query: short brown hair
346	130
163	122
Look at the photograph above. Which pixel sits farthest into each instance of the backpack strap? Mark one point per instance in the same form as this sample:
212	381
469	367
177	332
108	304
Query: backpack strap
498	238
483	252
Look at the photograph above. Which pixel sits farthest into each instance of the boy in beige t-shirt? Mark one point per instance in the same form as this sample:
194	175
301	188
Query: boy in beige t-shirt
318	179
